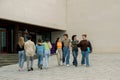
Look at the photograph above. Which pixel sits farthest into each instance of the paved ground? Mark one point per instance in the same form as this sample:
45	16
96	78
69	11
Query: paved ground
103	67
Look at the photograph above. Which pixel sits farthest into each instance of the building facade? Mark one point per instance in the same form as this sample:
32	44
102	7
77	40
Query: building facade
52	18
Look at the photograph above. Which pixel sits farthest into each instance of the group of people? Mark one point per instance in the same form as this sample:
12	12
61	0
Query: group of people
28	49
63	48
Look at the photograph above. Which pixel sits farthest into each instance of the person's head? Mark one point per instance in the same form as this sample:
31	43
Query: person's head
65	36
29	37
47	40
21	41
58	39
84	36
39	41
74	37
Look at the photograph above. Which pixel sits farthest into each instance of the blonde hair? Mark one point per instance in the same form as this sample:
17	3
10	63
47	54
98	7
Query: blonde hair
21	42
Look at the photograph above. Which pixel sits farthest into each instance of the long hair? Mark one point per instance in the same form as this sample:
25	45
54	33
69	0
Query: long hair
21	42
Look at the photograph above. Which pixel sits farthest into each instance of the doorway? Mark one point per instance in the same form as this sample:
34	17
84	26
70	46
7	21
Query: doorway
3	40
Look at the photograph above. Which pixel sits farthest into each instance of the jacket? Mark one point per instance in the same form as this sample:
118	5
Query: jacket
84	44
30	48
40	48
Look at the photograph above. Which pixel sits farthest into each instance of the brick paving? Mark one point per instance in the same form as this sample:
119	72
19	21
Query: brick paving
103	67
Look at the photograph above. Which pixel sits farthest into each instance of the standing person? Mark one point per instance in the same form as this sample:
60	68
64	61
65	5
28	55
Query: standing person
21	52
48	47
66	49
58	48
30	52
40	53
84	46
74	44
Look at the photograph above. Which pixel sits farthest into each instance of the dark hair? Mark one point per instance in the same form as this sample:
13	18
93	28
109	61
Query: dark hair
57	39
39	40
29	37
65	35
85	35
73	37
47	40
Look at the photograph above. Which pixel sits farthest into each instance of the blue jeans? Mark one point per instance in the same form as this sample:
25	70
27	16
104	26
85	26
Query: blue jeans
30	60
47	54
66	55
85	57
75	54
40	59
21	58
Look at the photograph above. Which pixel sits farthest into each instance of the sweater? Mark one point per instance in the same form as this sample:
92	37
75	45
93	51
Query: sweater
84	44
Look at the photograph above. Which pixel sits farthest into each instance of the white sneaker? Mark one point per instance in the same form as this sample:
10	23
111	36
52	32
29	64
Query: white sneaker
68	65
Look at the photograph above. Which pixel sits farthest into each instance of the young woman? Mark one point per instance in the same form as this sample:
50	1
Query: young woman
58	47
40	53
47	46
74	44
84	45
21	52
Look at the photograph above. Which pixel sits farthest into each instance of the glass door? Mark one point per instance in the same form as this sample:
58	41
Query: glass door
3	40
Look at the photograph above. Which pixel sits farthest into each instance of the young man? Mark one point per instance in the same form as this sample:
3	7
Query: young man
66	49
84	45
30	52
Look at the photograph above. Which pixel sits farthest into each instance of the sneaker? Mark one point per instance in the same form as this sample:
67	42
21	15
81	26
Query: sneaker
31	69
68	65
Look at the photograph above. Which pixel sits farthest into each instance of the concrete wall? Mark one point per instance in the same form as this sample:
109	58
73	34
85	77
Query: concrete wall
100	19
50	13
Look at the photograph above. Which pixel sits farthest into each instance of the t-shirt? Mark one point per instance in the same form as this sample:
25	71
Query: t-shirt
66	42
59	45
46	46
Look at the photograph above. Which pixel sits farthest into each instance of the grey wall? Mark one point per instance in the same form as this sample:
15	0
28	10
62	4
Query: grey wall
100	19
50	13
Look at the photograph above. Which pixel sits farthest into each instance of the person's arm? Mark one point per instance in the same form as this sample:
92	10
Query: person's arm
90	46
34	47
79	44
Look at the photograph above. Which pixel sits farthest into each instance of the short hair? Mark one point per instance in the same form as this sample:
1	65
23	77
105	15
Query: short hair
39	40
29	37
65	35
85	35
73	37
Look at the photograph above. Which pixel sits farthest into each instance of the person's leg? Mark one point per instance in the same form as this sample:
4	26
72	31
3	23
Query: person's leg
31	64
63	57
22	58
75	58
60	56
19	54
87	58
67	56
73	53
28	63
83	58
47	58
41	61
38	61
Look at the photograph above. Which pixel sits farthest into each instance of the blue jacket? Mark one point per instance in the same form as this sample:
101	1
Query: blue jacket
40	48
